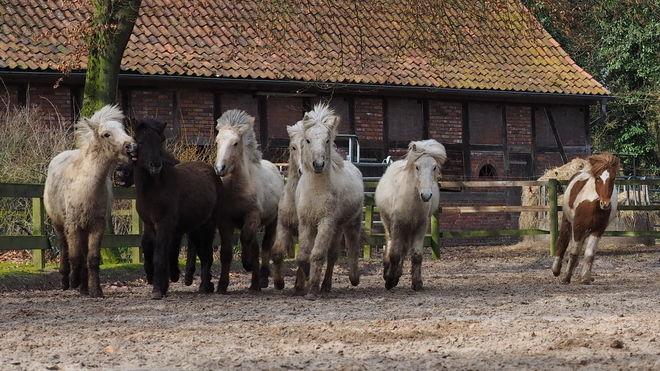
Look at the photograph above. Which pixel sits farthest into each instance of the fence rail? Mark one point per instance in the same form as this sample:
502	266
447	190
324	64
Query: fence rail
40	243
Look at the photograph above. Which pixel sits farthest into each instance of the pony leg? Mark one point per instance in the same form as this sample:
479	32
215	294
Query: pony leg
573	258
65	266
417	243
161	263
254	254
322	244
173	254
191	260
589	255
77	242
248	234
564	239
352	239
393	259
148	248
333	255
282	241
93	286
266	248
306	240
226	255
201	241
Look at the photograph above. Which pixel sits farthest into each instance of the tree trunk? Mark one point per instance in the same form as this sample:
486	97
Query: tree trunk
111	28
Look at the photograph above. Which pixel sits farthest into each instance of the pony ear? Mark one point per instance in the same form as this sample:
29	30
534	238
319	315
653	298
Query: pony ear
334	124
135	124
161	129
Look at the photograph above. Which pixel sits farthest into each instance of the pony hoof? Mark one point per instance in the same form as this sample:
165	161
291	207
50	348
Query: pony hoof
96	293
311	296
254	288
222	290
65	285
188	280
263	282
417	286
206	288
390	283
587	281
326	288
279	284
566	280
355	280
156	294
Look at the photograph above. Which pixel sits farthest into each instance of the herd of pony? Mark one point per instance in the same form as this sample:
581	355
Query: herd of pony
320	204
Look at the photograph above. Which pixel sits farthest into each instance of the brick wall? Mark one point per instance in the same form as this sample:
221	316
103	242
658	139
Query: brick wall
154	104
282	111
197	114
446	121
55	104
485	123
519	125
369	119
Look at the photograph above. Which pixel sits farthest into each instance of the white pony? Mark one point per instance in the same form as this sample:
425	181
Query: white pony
253	188
287	218
406	197
330	198
78	195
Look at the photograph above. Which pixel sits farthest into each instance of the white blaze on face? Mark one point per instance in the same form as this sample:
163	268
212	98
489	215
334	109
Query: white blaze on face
605	176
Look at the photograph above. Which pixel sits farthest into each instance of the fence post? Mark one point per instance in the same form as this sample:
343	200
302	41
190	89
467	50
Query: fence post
368	224
435	236
135	229
38	227
553	214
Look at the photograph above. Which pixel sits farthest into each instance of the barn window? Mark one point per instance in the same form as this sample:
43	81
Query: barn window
487	171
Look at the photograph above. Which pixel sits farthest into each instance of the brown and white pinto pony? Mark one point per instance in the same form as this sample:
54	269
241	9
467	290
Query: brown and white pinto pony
589	205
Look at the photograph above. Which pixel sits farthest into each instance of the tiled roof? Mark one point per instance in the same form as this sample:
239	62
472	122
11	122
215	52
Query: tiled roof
472	46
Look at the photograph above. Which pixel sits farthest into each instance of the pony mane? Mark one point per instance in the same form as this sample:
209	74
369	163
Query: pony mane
85	127
428	147
598	163
320	114
244	124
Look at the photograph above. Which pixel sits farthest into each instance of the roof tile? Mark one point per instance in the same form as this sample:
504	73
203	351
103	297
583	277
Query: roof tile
249	39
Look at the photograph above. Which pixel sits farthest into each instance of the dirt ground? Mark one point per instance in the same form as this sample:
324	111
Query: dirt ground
483	308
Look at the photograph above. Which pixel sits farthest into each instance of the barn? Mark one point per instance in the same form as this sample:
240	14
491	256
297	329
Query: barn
483	78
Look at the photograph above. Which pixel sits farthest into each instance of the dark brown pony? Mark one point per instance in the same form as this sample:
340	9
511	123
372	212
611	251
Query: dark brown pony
589	206
123	177
173	200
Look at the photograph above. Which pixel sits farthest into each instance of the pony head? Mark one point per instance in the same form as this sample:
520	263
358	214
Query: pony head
104	134
319	132
425	159
236	141
295	141
124	175
151	153
603	168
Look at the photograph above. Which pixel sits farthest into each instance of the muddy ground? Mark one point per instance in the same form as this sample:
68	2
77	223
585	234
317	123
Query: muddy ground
483	308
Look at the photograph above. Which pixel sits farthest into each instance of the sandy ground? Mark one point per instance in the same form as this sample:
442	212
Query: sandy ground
483	308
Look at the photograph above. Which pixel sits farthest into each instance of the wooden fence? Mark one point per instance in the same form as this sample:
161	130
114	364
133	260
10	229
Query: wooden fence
40	243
